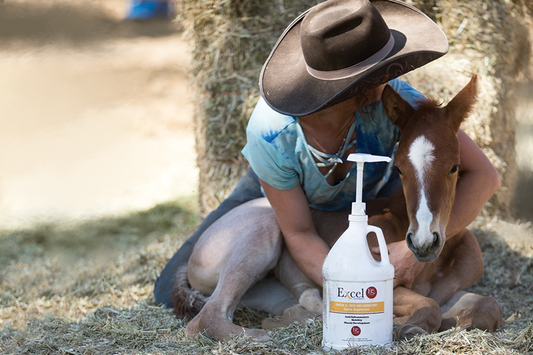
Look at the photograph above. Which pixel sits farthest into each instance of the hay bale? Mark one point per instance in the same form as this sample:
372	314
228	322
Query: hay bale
231	39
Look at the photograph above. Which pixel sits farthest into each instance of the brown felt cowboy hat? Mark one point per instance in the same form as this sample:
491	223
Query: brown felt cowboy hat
342	48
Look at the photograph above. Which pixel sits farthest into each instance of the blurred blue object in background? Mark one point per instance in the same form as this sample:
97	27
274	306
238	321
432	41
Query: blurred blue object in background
150	9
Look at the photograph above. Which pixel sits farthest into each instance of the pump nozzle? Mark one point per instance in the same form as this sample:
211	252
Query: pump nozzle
367	158
358	208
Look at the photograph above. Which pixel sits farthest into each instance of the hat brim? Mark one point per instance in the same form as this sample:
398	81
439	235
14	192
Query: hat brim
288	88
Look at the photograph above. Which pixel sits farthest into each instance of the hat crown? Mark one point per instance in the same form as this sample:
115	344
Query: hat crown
329	54
338	34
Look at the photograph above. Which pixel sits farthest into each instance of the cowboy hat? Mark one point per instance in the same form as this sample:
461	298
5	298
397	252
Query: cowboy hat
341	48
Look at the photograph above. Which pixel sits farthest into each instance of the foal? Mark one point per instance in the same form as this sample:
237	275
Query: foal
246	244
429	164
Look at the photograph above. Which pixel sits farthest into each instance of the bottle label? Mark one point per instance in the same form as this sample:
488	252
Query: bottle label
357	313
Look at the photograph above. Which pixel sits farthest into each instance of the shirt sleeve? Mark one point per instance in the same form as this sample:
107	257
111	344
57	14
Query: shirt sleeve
407	92
271	160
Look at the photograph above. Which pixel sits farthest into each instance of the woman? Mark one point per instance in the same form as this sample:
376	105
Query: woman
321	89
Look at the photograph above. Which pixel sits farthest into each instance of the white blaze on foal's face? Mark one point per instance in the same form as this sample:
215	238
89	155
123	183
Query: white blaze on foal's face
421	156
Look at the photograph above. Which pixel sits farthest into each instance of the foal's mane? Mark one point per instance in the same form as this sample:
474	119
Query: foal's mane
427	105
426	109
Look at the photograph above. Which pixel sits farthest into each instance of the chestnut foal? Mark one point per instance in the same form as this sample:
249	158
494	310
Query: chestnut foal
246	244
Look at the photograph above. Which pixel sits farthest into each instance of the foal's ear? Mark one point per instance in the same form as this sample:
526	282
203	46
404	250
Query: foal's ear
396	107
462	104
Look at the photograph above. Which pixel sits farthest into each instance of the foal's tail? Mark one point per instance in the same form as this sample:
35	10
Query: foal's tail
186	301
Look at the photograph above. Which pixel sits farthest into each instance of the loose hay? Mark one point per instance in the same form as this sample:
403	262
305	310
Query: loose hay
71	270
77	302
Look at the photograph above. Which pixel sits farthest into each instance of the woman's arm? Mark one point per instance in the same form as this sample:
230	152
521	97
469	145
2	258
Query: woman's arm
478	181
301	238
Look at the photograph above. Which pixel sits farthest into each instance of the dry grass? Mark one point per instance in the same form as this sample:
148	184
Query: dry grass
86	288
75	268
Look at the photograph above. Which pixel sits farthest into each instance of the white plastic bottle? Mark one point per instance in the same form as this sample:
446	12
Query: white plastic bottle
357	288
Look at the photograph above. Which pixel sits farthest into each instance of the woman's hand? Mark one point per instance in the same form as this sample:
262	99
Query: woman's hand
406	268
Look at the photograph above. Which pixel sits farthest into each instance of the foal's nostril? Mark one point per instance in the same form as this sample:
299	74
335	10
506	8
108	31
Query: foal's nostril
409	240
436	241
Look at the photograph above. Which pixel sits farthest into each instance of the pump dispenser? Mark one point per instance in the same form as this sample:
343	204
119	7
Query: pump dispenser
357	288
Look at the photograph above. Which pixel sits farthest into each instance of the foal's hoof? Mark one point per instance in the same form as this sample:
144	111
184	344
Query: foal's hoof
293	315
222	329
258	335
407	331
311	300
229	332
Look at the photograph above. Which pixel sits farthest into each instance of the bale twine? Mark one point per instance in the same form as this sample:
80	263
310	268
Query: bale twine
230	40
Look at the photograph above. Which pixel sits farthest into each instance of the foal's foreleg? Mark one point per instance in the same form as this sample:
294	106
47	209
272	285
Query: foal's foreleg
469	311
415	314
329	226
461	268
461	265
302	287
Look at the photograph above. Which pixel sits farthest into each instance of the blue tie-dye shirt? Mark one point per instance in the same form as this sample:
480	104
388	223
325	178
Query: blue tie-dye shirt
278	153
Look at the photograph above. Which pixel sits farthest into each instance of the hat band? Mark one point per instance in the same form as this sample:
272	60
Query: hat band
354	69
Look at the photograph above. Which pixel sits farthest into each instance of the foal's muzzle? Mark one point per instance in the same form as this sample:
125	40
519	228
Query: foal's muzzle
425	249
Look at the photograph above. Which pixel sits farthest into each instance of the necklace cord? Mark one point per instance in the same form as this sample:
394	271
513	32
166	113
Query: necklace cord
326	160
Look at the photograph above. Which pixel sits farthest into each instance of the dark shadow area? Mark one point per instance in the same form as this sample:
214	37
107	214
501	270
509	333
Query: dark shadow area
522	203
94	238
523	197
508	275
71	24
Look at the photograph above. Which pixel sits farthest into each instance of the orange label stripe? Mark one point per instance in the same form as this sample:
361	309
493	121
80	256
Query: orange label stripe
359	307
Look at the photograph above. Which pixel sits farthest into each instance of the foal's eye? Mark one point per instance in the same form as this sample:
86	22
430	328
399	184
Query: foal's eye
399	171
455	169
